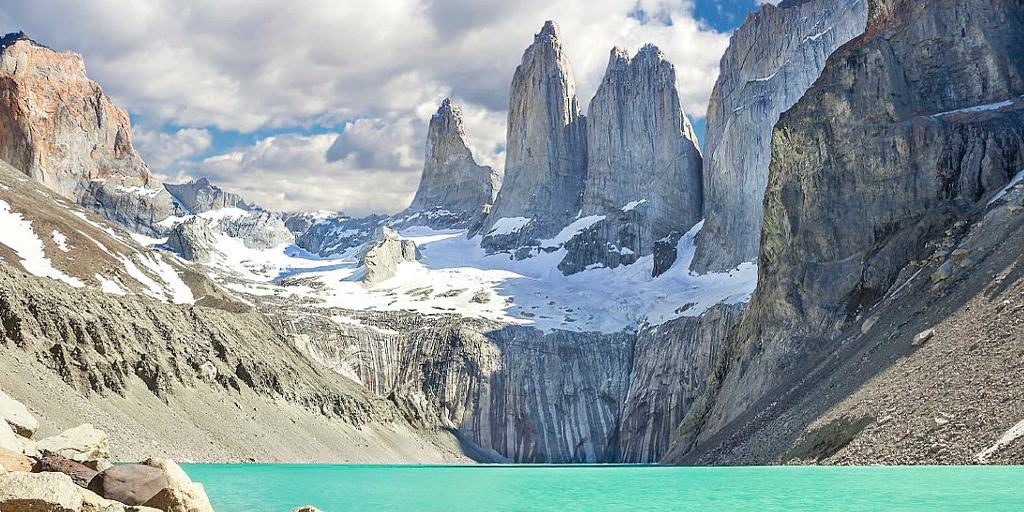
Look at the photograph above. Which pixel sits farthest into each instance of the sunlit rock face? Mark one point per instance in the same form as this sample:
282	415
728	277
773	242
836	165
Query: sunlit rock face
201	196
546	158
454	190
644	174
907	129
772	59
58	127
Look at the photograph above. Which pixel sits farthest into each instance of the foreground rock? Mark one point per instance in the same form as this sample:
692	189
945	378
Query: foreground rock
84	443
17	416
773	58
131	484
39	492
181	494
546	158
81	474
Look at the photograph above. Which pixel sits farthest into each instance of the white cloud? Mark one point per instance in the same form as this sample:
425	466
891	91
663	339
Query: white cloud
166	152
377	69
289	173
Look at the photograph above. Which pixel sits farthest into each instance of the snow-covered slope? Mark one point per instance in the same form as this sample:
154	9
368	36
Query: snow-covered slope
48	236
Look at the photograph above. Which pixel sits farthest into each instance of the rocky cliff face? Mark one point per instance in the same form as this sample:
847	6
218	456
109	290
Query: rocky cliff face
671	363
772	59
546	158
644	175
58	127
201	196
453	186
908	127
513	392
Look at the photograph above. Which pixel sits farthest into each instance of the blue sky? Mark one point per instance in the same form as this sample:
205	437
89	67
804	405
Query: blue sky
256	93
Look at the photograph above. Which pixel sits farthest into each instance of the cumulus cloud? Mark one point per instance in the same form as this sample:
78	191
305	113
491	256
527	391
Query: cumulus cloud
289	173
165	152
370	71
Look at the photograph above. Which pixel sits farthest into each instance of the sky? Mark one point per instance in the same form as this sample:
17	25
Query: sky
323	104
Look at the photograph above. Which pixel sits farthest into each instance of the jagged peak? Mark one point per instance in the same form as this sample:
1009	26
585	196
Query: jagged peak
548	33
448	109
618	57
11	38
651	51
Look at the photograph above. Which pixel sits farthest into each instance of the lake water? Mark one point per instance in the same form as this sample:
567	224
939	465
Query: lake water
280	488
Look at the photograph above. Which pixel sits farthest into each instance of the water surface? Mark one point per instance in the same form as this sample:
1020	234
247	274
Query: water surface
280	488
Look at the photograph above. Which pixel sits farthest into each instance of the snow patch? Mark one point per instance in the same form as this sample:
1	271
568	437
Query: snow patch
508	225
110	286
1002	192
60	240
569	232
19	236
980	108
140	191
633	204
1014	433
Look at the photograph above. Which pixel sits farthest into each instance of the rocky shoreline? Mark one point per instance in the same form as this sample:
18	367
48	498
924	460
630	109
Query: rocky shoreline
73	472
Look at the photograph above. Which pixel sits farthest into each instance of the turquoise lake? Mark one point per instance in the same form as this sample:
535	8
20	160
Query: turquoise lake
280	488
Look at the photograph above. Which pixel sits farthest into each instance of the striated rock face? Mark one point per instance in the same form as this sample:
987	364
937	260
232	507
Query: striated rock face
452	184
381	259
772	59
546	158
58	127
643	165
202	196
670	368
907	128
515	393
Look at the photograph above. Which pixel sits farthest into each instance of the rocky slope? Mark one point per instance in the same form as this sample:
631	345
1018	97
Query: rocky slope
201	196
546	155
910	128
644	177
58	127
92	323
773	58
454	190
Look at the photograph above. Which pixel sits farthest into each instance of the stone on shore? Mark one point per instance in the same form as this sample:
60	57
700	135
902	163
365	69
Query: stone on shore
14	461
17	416
8	439
131	484
181	493
81	474
84	443
39	492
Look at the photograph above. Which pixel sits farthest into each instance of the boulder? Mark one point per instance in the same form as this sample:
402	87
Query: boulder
131	484
8	439
14	460
84	443
17	416
181	493
39	492
79	473
382	258
923	337
306	509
